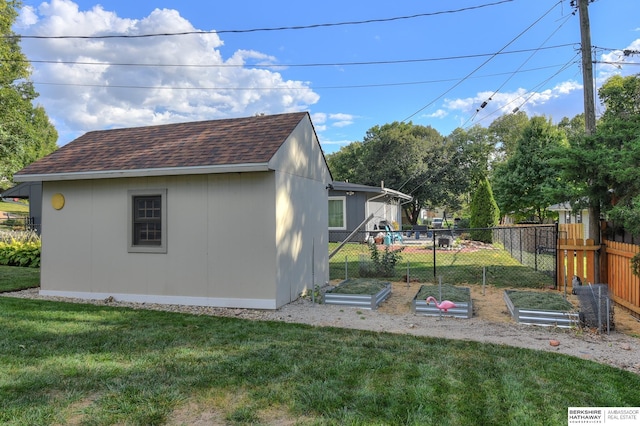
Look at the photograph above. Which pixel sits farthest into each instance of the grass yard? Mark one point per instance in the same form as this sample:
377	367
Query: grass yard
456	267
15	208
63	363
13	278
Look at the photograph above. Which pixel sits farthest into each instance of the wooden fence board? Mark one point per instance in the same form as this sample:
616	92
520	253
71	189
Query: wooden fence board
578	256
571	231
623	285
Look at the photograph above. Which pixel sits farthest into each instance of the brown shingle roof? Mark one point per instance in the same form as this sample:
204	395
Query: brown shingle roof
234	141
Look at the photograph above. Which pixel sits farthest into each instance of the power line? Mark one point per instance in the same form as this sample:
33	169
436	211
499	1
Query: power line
530	92
352	86
483	64
485	103
308	65
253	30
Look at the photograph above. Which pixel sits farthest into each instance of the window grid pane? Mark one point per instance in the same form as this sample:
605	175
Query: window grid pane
147	224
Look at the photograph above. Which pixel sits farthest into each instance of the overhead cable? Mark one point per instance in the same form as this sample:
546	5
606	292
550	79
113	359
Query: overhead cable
253	30
483	64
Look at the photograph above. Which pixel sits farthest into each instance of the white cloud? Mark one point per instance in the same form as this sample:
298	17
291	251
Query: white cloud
440	113
556	102
27	17
82	97
614	62
341	119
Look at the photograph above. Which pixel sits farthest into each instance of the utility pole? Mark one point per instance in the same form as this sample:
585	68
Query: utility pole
589	118
587	68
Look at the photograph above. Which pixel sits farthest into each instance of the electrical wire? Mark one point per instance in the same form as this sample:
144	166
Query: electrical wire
352	86
482	65
253	30
486	102
530	92
308	65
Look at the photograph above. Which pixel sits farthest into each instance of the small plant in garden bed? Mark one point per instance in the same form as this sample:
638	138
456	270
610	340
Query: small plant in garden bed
449	292
360	286
539	301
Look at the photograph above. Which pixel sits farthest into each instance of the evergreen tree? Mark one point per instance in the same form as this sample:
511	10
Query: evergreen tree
25	131
484	212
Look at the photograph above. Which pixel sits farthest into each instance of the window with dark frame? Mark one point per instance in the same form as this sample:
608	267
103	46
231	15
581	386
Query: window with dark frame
147	220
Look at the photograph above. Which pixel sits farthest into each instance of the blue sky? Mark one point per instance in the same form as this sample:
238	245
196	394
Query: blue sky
431	63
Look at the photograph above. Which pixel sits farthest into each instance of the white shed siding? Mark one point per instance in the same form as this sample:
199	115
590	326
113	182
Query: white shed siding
220	235
301	215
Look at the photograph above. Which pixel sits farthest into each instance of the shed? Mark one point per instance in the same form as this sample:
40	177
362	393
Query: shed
350	204
224	213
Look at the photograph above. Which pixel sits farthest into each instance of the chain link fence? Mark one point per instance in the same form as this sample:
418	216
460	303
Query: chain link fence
521	256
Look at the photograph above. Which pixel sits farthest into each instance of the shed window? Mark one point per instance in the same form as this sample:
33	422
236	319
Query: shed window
147	222
337	213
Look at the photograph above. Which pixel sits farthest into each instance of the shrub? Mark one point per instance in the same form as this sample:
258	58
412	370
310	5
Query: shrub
20	250
484	213
383	264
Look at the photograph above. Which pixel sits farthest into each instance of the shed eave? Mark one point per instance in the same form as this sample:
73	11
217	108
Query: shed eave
161	171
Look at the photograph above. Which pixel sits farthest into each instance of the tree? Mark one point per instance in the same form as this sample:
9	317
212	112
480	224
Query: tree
344	164
473	149
527	183
413	159
484	212
25	131
572	127
602	169
505	131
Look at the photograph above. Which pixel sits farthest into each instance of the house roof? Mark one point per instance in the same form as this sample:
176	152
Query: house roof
237	144
562	207
348	186
22	190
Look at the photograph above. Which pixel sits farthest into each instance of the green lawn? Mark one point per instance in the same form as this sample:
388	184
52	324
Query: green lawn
13	278
456	267
16	208
64	363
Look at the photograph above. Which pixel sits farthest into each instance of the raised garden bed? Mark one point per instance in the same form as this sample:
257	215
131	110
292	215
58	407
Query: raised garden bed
543	309
360	293
461	296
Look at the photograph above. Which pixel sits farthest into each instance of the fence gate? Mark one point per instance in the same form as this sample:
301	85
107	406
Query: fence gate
576	257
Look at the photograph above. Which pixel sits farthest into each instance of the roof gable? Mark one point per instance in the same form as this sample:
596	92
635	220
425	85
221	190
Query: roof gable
226	142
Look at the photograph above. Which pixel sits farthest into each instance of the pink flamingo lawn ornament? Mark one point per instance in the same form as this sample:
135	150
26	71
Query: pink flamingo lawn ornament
444	306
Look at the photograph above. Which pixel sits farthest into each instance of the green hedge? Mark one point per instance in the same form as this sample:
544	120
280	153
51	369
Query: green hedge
20	253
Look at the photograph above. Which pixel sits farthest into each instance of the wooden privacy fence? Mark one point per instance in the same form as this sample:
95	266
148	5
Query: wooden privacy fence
571	231
576	257
624	287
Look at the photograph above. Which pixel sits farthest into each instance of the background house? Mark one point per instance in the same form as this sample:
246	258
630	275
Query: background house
31	191
350	204
229	213
566	216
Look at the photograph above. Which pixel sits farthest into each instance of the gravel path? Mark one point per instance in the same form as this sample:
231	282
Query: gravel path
490	324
